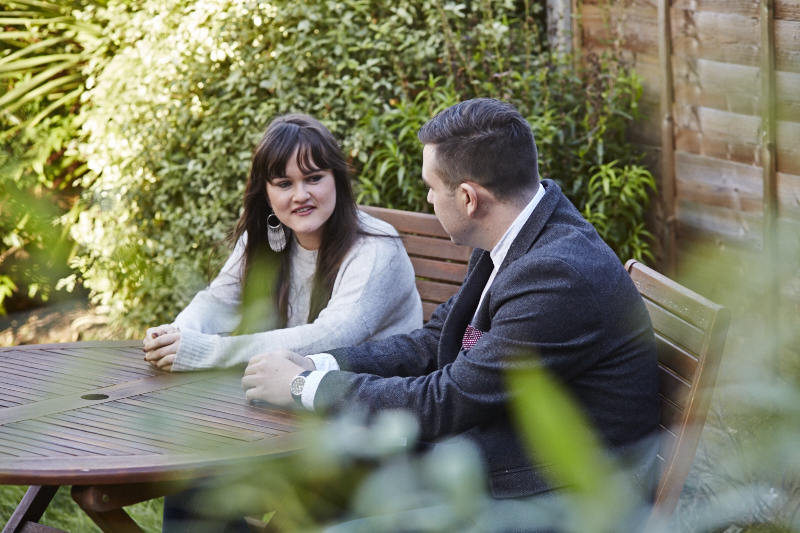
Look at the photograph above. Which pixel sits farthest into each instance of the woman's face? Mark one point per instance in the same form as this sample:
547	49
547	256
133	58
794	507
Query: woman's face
303	202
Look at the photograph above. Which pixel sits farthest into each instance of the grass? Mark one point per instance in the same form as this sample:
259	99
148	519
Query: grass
64	514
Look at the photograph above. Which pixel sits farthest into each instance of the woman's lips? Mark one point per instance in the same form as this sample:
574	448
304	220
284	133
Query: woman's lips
304	211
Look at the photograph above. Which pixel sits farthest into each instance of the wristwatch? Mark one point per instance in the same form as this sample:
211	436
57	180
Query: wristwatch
296	387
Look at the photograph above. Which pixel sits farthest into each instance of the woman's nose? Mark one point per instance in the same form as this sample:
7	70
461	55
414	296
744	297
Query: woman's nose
300	193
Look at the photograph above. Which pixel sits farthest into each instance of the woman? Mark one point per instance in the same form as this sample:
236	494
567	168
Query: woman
318	274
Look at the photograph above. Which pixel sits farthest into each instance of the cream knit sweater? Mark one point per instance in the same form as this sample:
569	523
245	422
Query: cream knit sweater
374	297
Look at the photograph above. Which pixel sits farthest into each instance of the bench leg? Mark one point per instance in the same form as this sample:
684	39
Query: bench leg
30	510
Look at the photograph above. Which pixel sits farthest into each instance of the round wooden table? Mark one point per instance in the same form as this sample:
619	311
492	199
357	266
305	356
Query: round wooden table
96	416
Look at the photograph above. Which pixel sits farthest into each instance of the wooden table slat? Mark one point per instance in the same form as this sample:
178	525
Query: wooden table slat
66	447
7	391
233	424
145	427
86	367
124	438
233	403
50	375
24	449
125	363
114	392
109	362
141	468
35	385
118	409
221	411
92	440
9	403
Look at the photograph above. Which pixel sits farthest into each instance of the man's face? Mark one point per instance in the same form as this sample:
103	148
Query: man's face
445	201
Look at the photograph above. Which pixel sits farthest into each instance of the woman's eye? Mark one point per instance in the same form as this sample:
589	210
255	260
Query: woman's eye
314	179
284	185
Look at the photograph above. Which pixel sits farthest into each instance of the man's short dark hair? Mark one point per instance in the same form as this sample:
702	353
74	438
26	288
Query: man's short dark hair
486	141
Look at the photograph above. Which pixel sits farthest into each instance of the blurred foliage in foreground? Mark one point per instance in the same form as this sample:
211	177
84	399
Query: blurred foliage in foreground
746	473
157	104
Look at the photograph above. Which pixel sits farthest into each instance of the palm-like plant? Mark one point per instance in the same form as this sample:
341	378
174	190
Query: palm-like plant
45	49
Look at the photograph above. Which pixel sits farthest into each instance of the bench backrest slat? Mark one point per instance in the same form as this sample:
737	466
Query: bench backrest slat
440	265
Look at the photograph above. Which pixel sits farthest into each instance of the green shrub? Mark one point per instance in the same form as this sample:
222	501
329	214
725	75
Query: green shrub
578	116
175	115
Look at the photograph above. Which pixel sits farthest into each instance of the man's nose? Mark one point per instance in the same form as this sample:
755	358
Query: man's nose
430	196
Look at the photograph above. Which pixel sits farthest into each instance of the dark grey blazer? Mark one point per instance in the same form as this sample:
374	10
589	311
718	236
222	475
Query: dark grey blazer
562	293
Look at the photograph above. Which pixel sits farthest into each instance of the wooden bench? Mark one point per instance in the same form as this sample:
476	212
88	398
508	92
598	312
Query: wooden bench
439	264
690	333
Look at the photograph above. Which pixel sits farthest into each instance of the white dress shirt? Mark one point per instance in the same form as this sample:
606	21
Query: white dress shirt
325	362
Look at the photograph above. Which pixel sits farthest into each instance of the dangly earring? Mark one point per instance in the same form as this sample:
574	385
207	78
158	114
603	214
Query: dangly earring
275	234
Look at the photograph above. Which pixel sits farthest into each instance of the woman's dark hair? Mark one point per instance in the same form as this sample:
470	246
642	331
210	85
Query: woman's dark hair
316	150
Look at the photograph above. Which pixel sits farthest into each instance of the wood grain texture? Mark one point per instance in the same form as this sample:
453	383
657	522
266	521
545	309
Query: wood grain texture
725	226
787	10
711	181
674	388
635	27
439	271
788	147
719	134
789	197
784	9
733	38
427	310
733	88
439	265
431	291
436	248
407	222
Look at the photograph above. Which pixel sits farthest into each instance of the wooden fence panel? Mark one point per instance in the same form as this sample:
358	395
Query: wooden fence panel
787	10
710	181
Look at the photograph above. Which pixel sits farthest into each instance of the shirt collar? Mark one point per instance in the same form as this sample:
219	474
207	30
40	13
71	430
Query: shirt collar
498	253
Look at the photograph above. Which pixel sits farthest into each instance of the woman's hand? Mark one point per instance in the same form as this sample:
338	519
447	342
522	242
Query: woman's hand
161	345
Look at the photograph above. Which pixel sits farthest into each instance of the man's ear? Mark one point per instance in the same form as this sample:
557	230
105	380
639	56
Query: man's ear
468	194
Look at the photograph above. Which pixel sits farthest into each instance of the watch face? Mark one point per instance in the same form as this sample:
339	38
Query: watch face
297	385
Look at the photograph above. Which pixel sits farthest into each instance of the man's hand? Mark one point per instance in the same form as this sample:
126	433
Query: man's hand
268	376
161	345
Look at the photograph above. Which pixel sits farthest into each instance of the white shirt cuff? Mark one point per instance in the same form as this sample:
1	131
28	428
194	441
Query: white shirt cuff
310	387
324	361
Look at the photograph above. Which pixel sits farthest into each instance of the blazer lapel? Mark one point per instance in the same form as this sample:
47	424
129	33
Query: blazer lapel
463	309
524	242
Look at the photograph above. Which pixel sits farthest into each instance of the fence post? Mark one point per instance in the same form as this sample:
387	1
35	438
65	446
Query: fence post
667	136
769	166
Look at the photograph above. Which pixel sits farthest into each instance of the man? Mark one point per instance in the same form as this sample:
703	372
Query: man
542	289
